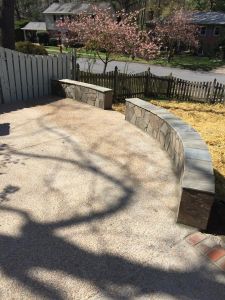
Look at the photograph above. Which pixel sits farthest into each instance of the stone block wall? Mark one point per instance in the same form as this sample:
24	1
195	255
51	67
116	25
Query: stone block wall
88	93
189	154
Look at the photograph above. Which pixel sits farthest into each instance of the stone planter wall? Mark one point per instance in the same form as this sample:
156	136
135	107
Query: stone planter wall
88	93
190	156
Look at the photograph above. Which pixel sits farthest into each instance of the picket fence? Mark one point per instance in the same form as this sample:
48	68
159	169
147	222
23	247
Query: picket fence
28	77
123	85
147	84
184	90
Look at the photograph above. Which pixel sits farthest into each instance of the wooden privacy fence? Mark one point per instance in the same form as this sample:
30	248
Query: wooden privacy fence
149	85
28	77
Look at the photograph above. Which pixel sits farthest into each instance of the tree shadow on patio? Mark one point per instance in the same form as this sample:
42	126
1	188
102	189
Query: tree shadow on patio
4	129
114	276
39	246
216	223
8	190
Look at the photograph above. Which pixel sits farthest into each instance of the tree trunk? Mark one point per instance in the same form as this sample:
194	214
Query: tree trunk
212	4
1	22
7	34
106	61
17	10
105	67
170	55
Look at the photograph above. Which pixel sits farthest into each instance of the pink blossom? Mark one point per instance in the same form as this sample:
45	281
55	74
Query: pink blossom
113	34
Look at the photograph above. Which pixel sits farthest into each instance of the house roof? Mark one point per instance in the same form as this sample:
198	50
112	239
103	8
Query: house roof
74	8
35	26
207	18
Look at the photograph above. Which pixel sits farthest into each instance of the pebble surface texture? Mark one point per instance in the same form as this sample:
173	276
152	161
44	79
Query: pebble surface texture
87	211
189	154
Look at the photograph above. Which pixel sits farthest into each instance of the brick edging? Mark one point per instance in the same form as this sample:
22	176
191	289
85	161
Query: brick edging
214	253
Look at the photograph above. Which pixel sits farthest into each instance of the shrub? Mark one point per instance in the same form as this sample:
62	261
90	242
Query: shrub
19	35
29	48
21	23
43	38
77	45
53	42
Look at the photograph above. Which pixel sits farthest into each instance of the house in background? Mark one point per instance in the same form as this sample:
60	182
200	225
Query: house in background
59	11
212	31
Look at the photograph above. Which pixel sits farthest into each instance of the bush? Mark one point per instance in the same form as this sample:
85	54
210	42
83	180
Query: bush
77	45
29	48
43	38
21	23
19	35
53	42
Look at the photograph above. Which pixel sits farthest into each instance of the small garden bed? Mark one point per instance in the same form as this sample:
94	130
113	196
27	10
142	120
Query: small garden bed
209	121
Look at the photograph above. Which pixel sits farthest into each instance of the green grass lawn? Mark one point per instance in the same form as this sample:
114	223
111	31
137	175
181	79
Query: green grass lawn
191	62
180	61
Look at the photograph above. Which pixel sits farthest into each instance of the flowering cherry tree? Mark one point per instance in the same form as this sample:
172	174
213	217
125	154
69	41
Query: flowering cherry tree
176	29
111	34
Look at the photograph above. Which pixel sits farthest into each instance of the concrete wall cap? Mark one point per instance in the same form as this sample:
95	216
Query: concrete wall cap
87	85
189	153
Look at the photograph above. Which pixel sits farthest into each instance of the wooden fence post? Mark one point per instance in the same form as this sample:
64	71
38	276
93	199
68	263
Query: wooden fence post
115	84
147	78
170	84
74	63
208	90
77	72
213	91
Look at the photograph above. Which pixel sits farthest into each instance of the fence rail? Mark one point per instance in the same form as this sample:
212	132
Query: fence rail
150	85
28	77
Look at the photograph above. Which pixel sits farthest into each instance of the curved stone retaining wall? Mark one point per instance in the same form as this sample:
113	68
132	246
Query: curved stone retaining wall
84	92
189	153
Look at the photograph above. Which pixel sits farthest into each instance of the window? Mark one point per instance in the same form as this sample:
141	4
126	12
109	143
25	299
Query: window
216	31
203	31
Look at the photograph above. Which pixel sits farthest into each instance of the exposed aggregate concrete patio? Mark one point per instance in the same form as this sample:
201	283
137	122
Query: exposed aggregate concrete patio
87	211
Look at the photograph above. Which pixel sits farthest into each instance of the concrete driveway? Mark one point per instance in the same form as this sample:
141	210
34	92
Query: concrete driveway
87	211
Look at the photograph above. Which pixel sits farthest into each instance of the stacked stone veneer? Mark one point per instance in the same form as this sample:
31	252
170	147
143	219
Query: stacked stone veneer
190	156
88	93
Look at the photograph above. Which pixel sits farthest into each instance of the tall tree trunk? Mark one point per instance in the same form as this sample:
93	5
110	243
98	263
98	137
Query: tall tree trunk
17	10
105	62
212	4
7	34
1	22
105	67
